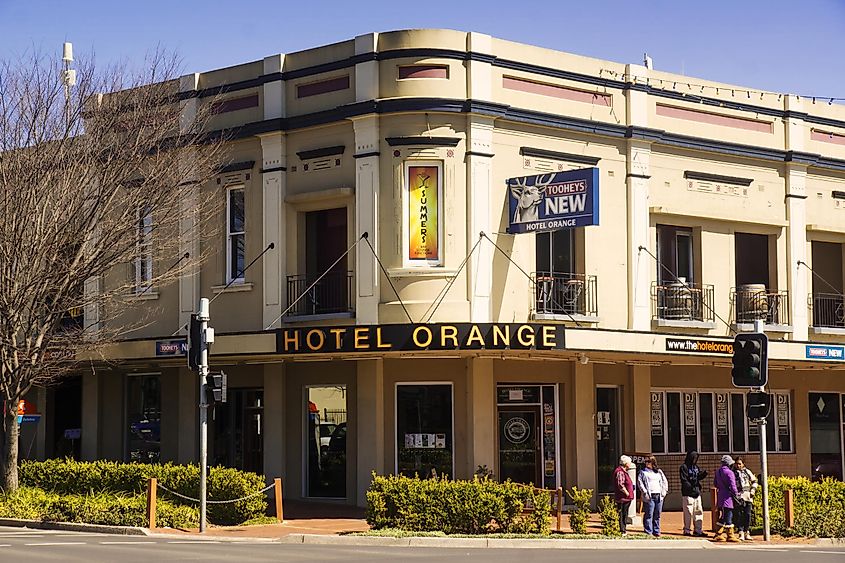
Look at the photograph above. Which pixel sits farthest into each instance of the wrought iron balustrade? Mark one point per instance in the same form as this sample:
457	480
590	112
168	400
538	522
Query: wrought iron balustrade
677	301
755	302
332	294
828	310
559	293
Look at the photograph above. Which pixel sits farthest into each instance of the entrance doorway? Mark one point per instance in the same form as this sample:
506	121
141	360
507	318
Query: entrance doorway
519	446
66	401
239	430
607	436
528	437
827	411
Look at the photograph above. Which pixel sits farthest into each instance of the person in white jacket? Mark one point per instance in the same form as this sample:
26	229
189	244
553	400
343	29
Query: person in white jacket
746	483
653	488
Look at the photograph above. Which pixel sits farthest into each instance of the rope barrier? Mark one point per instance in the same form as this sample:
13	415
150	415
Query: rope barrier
261	492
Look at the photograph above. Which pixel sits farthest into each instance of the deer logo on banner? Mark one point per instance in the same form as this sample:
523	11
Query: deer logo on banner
529	197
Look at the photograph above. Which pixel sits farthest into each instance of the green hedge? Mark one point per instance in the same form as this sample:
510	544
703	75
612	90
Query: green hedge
819	507
69	477
456	507
104	508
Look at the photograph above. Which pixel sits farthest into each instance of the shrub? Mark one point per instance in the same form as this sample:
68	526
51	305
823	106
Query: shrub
467	507
578	516
819	506
609	514
70	477
104	508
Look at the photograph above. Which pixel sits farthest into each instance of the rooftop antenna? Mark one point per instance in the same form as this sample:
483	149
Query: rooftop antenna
647	61
68	77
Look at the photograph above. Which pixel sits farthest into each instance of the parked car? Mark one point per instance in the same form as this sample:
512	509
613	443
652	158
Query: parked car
326	431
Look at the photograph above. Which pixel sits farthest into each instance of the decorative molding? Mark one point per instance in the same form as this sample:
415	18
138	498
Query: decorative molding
236	167
423	141
795	196
275	169
234	288
320	153
519	115
320	195
640	176
367	154
836	194
554	155
479	153
706	177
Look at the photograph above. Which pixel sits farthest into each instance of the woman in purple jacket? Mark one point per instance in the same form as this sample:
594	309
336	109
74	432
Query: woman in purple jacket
726	492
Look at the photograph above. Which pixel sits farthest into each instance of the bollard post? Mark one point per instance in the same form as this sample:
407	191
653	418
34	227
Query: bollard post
559	507
714	510
152	487
789	508
277	492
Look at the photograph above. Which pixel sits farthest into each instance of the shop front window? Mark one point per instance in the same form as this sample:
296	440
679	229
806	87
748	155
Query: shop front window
424	434
143	418
325	441
715	421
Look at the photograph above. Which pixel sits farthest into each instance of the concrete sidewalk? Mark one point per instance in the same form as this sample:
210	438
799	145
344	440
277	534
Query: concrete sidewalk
305	521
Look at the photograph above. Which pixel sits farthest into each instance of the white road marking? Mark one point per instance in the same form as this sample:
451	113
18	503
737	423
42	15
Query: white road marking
5	545
194	541
820	551
139	542
56	543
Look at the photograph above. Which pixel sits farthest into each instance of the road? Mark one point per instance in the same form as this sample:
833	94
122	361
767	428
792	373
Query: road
18	544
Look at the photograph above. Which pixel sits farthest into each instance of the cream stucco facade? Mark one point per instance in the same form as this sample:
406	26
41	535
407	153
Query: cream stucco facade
335	127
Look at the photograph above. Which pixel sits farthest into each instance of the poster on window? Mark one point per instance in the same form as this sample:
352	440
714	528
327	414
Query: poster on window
689	414
657	414
783	415
423	195
721	414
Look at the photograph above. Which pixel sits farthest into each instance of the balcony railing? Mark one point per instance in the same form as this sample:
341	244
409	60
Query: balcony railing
332	294
676	301
559	293
828	310
756	303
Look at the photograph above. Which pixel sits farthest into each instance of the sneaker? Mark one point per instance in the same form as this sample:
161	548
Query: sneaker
700	534
688	533
656	534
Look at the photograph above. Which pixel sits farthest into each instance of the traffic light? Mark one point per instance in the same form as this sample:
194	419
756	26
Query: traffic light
215	387
759	405
750	360
194	343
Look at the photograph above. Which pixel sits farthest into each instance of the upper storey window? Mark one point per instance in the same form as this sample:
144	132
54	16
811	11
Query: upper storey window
235	234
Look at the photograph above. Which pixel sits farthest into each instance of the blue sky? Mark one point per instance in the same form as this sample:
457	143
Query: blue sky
785	46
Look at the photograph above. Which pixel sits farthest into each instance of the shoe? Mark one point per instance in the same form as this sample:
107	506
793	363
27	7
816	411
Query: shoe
624	534
700	534
656	534
748	536
720	534
688	533
731	537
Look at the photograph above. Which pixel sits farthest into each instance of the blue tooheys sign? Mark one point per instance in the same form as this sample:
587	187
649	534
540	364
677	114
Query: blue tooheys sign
548	202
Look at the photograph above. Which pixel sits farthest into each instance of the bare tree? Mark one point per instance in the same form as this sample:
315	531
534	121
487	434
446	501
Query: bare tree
91	185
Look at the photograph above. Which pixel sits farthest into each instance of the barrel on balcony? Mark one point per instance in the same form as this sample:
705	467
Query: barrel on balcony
754	302
682	301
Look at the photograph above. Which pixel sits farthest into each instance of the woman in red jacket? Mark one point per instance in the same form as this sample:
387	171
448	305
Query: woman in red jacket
623	491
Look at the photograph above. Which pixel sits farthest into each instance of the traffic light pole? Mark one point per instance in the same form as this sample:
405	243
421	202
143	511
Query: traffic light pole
203	317
764	478
764	460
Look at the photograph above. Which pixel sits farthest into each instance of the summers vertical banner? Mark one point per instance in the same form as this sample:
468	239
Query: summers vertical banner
423	195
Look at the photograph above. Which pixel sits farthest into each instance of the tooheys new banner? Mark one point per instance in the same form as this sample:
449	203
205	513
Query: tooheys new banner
423	187
548	202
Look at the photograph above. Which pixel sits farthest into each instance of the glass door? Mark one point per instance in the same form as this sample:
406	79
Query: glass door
607	436
825	435
519	444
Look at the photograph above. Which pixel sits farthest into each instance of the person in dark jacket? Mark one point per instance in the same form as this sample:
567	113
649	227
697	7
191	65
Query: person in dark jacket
691	477
623	491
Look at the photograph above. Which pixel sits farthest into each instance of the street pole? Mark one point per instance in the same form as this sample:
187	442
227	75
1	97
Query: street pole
764	461
764	478
203	317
